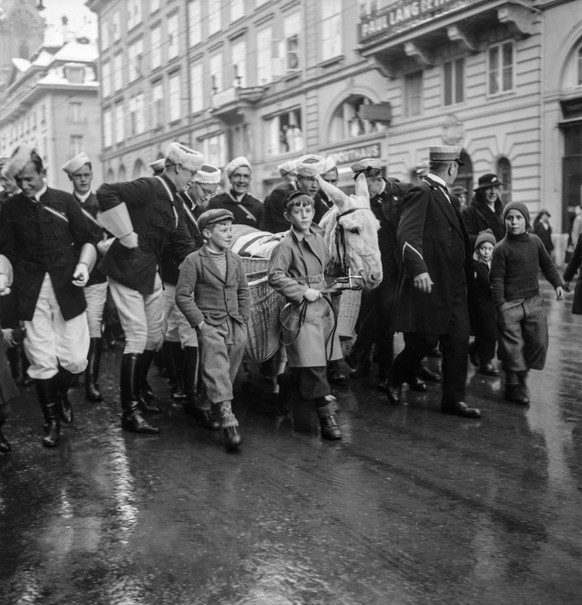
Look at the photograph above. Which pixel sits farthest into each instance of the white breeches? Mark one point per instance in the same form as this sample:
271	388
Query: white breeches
96	297
176	326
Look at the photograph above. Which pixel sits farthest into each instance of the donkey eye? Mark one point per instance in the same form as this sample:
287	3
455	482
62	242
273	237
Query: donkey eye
355	230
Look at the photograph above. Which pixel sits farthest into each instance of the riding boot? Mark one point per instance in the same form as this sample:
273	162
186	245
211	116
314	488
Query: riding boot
46	390
229	424
92	372
329	427
199	408
131	419
145	397
173	360
64	379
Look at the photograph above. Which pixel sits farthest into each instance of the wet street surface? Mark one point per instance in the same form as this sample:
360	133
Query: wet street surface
411	507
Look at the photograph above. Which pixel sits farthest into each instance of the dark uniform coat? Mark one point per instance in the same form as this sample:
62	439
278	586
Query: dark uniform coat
156	213
249	211
432	238
41	238
91	207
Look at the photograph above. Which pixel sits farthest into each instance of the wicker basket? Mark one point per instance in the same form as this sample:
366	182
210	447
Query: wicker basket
349	309
263	333
254	264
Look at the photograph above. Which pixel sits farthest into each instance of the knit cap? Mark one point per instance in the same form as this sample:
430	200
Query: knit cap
484	236
520	207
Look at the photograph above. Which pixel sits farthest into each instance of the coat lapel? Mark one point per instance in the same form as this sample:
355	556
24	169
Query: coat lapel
445	206
211	265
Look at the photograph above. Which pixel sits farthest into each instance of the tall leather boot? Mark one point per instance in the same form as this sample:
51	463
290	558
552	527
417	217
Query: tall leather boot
229	424
131	419
199	408
92	392
46	390
173	359
145	397
329	427
63	380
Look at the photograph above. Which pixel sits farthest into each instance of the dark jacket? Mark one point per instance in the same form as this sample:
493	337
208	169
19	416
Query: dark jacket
545	234
482	313
273	209
91	207
431	238
571	270
478	217
156	213
249	211
40	238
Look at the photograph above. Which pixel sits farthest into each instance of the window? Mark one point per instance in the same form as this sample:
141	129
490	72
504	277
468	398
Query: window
500	63
135	52
116	26
214	150
331	29
106	79
216	73
579	66
197	88
504	174
239	63
154	5
104	35
213	17
107	141
75	112
136	115
413	94
347	121
454	82
284	132
76	144
194	33
174	96
173	36
264	55
156	46
237	9
133	13
117	73
158	104
118	123
292	27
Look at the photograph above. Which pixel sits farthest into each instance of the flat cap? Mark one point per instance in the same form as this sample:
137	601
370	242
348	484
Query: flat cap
445	153
76	163
237	163
211	217
368	163
207	175
186	157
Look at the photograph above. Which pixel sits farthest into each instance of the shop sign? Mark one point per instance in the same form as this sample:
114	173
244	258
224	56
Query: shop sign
353	154
383	17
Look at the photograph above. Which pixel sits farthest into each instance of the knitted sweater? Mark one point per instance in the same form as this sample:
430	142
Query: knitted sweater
515	265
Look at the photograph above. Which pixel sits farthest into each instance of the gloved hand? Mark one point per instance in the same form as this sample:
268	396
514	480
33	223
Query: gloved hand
130	240
4	284
81	275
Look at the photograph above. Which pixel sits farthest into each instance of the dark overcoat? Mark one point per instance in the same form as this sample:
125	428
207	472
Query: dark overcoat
571	270
249	211
40	238
478	217
482	312
157	217
431	238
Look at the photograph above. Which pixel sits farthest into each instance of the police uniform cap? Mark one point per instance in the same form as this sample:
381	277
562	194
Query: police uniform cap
445	153
211	217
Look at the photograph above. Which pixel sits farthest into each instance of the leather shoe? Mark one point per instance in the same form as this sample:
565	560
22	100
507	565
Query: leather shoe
460	408
515	394
416	384
232	438
488	369
329	428
394	392
426	374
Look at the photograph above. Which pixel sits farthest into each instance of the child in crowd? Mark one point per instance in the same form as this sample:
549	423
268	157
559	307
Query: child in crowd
214	295
296	270
482	349
522	320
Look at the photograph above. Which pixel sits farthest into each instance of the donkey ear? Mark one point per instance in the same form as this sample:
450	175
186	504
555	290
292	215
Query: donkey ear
362	192
337	196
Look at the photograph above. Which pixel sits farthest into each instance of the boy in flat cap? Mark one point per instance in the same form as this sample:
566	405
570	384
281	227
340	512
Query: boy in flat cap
432	299
80	173
246	209
144	215
45	239
214	295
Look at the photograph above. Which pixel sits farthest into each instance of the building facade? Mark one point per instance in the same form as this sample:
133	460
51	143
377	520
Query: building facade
273	79
52	102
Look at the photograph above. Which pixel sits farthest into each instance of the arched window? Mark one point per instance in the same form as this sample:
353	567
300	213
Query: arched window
110	176
504	174
347	121
121	174
138	169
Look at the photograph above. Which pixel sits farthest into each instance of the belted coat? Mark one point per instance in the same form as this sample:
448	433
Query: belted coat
431	238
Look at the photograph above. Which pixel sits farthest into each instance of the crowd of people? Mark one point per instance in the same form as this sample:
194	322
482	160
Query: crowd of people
158	249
